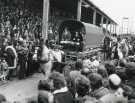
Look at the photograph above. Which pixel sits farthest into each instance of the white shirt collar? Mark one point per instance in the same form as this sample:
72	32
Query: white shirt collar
64	89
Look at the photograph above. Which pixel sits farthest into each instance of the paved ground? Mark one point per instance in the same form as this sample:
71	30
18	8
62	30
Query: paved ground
21	89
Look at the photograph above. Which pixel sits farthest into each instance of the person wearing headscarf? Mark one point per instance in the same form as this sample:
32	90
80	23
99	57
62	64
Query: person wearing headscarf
86	71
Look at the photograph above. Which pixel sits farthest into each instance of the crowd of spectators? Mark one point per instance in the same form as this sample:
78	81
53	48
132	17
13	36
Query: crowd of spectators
20	33
108	82
89	82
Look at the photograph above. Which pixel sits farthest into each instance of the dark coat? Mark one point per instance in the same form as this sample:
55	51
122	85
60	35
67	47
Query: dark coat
10	57
63	97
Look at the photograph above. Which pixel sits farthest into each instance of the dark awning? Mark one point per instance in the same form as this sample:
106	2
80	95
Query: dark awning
67	5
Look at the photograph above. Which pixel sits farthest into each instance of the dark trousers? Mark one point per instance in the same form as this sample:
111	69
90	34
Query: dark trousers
22	70
29	68
9	74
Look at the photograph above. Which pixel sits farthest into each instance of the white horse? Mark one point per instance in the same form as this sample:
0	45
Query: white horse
47	59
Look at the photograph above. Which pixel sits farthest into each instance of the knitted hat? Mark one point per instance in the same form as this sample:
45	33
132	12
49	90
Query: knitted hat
115	79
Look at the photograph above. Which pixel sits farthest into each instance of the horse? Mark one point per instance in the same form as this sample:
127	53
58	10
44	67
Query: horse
48	61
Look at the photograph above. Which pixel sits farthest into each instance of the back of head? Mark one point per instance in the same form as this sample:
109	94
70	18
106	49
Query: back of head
102	71
95	80
58	80
44	85
74	74
86	71
82	86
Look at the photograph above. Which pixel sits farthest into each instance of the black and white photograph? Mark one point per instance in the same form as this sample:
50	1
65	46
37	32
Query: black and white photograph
67	51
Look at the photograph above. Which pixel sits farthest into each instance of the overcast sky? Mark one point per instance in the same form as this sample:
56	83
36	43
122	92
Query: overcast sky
117	9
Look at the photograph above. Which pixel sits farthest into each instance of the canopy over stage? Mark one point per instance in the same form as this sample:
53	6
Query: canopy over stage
53	11
66	5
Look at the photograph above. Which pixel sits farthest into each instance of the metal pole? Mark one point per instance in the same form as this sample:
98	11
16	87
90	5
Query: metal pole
94	17
115	28
102	21
107	24
46	4
79	10
114	31
110	27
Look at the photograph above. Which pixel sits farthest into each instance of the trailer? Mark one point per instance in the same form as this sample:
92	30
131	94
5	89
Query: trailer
79	39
